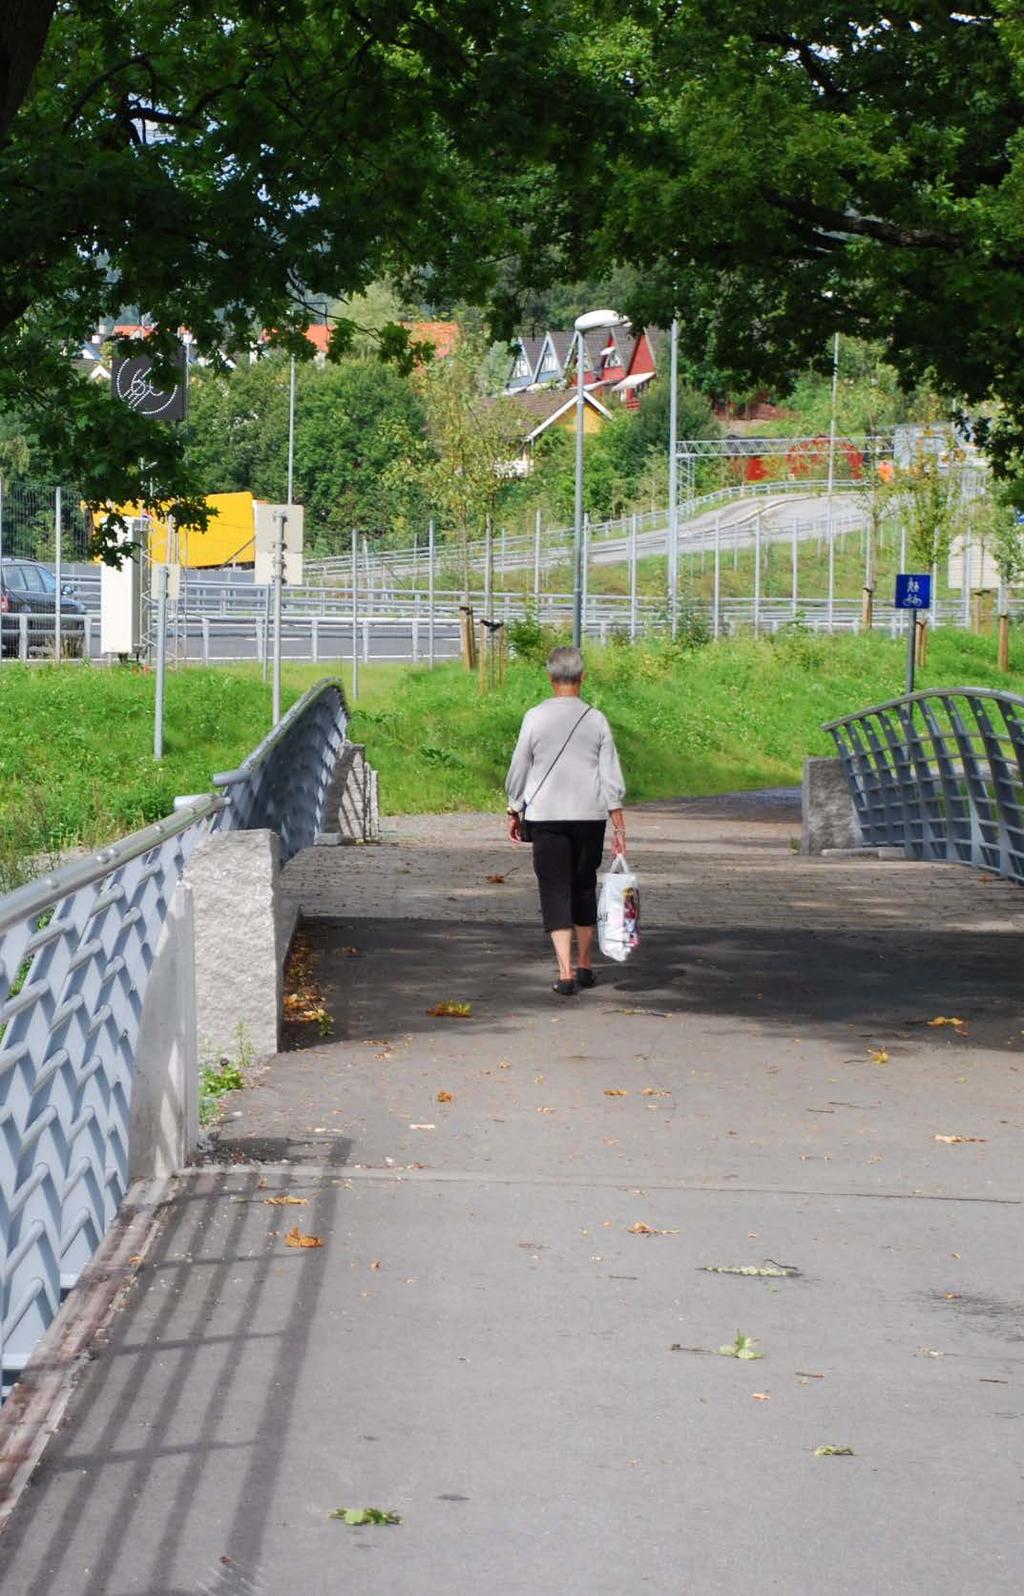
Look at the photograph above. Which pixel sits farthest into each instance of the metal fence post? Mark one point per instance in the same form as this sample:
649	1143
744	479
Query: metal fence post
716	602
430	596
536	561
161	660
632	577
355	614
206	639
23	637
314	638
795	563
57	550
757	574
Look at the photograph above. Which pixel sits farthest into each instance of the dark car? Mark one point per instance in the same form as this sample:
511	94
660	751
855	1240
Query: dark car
28	588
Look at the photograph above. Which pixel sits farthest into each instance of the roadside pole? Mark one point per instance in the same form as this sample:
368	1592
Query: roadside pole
632	578
716	608
536	564
57	574
355	615
488	569
584	573
160	574
280	517
965	577
757	575
673	480
795	562
430	593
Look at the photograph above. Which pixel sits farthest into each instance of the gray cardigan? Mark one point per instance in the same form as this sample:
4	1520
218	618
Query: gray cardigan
587	781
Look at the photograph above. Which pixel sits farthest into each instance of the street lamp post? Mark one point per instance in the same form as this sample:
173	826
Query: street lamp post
588	322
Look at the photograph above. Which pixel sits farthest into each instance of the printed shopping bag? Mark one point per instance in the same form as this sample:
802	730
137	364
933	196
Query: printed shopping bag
618	911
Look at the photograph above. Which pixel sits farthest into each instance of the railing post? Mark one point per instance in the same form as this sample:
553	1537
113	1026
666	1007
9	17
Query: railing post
23	637
206	639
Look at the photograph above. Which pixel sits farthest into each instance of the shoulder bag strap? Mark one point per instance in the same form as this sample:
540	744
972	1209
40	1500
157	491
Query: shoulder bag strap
554	762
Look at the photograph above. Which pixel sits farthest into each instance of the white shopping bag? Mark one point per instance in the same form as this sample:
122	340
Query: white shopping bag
618	911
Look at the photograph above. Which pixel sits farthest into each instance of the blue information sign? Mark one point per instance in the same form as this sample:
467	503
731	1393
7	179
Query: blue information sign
913	592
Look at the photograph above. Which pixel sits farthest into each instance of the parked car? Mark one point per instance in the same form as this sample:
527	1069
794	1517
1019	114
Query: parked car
28	588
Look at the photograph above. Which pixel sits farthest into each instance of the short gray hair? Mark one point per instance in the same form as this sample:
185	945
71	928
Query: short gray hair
565	665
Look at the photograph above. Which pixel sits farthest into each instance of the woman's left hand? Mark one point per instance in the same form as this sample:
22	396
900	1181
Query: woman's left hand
515	828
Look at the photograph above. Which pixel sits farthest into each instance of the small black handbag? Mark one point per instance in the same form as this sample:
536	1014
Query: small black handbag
526	826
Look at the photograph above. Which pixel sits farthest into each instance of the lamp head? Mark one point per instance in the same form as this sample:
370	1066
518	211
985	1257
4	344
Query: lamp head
599	318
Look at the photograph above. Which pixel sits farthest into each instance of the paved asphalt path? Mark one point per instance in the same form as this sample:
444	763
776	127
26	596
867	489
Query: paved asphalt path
509	1334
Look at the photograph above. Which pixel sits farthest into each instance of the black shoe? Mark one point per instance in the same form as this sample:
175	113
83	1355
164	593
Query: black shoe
585	978
565	988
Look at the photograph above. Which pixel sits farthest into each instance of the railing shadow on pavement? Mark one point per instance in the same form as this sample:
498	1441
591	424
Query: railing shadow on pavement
214	1317
940	774
77	949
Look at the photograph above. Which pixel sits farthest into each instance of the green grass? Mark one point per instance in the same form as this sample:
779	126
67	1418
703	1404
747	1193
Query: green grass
738	714
76	764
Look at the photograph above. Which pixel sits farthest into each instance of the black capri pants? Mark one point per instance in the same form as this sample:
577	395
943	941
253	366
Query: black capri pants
566	856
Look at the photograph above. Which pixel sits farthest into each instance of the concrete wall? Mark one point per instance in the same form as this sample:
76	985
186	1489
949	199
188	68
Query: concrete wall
242	932
829	820
165	1080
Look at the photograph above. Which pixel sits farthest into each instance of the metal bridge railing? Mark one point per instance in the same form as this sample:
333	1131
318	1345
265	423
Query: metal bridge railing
941	775
282	786
77	947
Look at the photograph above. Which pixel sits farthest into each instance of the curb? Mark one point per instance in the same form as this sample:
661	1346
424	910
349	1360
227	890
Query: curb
37	1403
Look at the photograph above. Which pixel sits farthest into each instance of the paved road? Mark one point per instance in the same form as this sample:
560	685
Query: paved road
487	1342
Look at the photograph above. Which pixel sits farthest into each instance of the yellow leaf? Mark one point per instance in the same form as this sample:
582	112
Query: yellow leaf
640	1229
878	1055
282	1201
761	1396
295	1238
951	1140
960	1026
545	1111
615	1091
450	1011
655	1091
445	1097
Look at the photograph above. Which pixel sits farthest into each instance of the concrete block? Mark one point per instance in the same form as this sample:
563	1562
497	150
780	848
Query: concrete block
240	941
829	819
165	1078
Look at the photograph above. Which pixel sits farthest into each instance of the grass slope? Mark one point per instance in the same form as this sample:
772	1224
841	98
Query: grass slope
738	714
76	763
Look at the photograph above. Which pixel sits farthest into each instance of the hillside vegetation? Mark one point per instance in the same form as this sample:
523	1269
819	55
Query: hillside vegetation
76	765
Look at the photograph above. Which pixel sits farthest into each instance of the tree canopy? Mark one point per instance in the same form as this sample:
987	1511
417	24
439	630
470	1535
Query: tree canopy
777	172
231	166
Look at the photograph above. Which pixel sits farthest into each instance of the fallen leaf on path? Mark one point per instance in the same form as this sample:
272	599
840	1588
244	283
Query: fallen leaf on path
615	1091
770	1269
545	1111
295	1238
350	953
878	1055
496	881
834	1451
445	1097
503	1064
806	1374
952	1140
451	1011
375	1264
761	1396
365	1515
283	1201
655	1091
958	1025
744	1347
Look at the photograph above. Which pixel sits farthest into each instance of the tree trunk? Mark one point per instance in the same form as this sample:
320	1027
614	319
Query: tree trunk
24	25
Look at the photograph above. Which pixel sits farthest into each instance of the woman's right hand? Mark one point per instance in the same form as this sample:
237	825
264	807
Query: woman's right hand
618	821
515	828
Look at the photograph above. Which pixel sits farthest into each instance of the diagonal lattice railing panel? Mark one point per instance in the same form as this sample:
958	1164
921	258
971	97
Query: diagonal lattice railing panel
283	784
940	773
76	951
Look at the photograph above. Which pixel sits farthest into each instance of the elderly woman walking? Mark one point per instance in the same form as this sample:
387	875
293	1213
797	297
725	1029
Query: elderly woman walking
563	784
